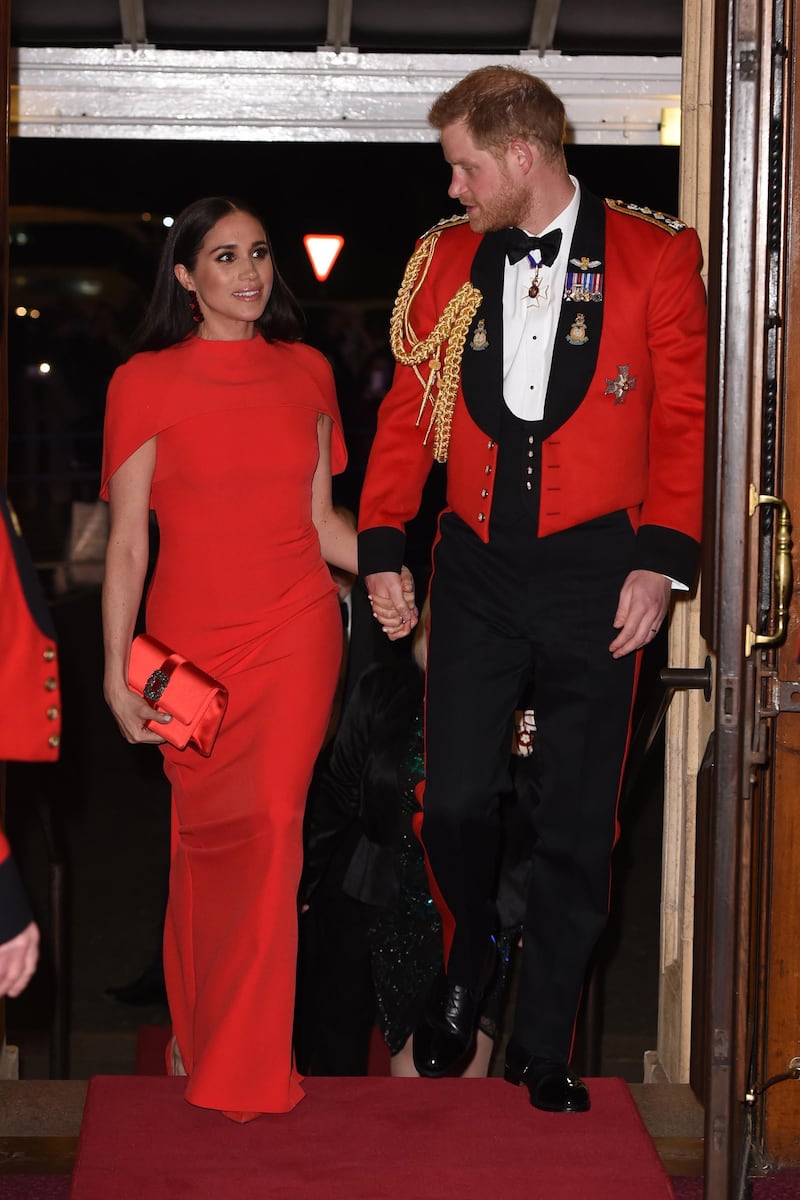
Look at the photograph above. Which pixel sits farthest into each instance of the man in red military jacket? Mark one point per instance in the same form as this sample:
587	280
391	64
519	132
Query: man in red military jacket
551	348
30	727
19	934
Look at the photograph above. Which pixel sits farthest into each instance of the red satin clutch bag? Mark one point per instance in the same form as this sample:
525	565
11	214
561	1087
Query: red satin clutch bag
171	684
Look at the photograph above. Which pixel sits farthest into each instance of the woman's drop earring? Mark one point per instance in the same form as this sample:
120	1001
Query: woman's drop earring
194	306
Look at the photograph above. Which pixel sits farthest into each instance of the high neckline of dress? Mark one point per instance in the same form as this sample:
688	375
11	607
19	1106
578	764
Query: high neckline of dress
224	346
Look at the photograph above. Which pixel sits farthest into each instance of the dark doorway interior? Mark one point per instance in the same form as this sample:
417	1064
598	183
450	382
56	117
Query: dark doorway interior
86	276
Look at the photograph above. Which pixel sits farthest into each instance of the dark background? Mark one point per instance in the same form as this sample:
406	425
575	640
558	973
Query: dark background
380	197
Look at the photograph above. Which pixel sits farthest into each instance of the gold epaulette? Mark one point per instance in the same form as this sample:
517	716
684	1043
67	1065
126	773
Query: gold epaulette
664	221
446	223
443	348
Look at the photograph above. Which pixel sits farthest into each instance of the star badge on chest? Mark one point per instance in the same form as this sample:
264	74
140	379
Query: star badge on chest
619	387
536	295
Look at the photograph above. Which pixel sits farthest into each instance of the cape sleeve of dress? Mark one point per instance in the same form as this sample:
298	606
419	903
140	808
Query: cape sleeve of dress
324	399
135	412
143	402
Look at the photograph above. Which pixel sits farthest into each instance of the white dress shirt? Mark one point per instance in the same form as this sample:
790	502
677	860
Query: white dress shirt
529	326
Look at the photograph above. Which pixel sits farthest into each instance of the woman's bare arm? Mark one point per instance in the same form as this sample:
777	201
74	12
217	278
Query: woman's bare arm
125	570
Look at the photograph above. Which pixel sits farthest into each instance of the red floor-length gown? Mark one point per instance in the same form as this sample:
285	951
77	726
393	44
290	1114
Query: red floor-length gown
241	589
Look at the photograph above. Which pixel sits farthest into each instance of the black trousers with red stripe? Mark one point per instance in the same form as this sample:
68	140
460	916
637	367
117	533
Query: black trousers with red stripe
527	616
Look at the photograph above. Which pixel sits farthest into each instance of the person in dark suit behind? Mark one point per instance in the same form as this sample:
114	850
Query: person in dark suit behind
369	786
551	348
30	727
335	1007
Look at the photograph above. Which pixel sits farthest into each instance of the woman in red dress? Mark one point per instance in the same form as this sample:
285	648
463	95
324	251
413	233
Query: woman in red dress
228	429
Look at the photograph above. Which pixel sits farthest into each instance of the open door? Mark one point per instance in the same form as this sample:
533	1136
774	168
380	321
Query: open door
774	1050
752	1001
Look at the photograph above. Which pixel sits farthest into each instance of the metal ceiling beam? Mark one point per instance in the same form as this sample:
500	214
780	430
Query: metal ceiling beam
340	19
543	26
311	96
134	29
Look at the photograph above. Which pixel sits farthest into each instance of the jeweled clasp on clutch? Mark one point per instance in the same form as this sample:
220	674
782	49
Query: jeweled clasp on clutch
155	687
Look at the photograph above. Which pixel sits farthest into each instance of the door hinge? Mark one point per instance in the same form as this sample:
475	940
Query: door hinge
782	696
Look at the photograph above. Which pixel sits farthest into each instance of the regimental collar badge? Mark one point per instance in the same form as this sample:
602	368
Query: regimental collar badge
479	339
578	334
583	283
619	387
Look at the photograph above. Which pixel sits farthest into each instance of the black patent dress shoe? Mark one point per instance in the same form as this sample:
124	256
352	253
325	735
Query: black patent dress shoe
444	1039
551	1086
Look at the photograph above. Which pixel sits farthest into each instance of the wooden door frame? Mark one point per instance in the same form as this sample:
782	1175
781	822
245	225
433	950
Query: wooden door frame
5	56
754	859
778	974
739	150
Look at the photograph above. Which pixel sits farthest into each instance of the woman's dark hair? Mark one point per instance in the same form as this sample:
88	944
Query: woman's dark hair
168	318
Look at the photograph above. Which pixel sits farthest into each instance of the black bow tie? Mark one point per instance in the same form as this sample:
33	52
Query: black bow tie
519	243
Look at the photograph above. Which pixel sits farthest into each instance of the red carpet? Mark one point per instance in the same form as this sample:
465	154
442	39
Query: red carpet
782	1185
688	1187
151	1047
365	1139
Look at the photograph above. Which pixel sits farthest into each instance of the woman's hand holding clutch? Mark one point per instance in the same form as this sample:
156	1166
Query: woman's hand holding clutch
131	713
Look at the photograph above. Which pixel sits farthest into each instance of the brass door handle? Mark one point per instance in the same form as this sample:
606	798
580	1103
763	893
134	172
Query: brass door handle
782	573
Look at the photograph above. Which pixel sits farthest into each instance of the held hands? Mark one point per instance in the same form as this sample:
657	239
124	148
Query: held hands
18	959
643	605
393	602
131	712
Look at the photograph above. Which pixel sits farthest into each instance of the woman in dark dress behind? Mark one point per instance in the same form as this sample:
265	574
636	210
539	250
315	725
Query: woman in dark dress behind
376	763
